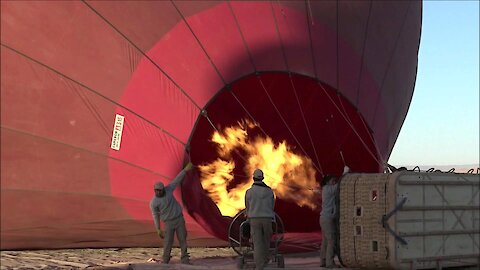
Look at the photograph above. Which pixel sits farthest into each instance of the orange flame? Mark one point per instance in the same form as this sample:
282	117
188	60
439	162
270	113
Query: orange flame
288	174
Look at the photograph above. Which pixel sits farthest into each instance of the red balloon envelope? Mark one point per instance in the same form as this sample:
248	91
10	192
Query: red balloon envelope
334	80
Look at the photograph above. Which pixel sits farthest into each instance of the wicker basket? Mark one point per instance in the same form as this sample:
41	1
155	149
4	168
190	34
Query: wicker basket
409	220
363	240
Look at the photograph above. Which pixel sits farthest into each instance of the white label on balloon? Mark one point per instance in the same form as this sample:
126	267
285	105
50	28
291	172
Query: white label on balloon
117	132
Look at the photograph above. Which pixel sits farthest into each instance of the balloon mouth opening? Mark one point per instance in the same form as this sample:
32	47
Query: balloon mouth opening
286	124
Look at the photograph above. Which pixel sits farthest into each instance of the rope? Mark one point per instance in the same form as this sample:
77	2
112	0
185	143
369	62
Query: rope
261	82
198	41
241	34
305	123
109	196
283	120
371	138
246	162
309	10
319	168
248	113
279	37
281	183
204	114
145	55
83	149
182	90
93	91
251	61
315	70
306	245
338	74
353	128
349	121
340	143
390	62
310	18
93	110
363	52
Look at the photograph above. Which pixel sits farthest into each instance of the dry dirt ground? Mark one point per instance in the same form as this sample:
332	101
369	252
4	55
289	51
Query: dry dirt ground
101	258
137	258
144	259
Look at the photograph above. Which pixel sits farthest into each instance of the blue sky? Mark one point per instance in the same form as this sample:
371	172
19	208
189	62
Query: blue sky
442	124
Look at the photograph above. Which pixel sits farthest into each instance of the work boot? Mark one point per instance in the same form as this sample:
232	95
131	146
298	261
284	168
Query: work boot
166	260
185	260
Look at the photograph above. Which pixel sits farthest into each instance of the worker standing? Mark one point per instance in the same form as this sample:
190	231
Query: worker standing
328	218
259	202
165	207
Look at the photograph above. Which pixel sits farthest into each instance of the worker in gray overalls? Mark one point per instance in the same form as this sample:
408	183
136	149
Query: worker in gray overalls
259	203
328	217
165	207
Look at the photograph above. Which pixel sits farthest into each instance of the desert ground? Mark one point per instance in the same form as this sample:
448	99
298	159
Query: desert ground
138	258
101	258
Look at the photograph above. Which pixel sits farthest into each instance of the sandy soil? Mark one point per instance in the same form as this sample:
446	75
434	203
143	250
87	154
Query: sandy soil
145	259
141	259
102	258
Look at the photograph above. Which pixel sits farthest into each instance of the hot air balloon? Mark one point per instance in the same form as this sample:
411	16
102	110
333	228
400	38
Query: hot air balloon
100	99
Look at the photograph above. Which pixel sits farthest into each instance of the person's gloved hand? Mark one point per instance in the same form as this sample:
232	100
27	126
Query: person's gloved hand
188	167
161	234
